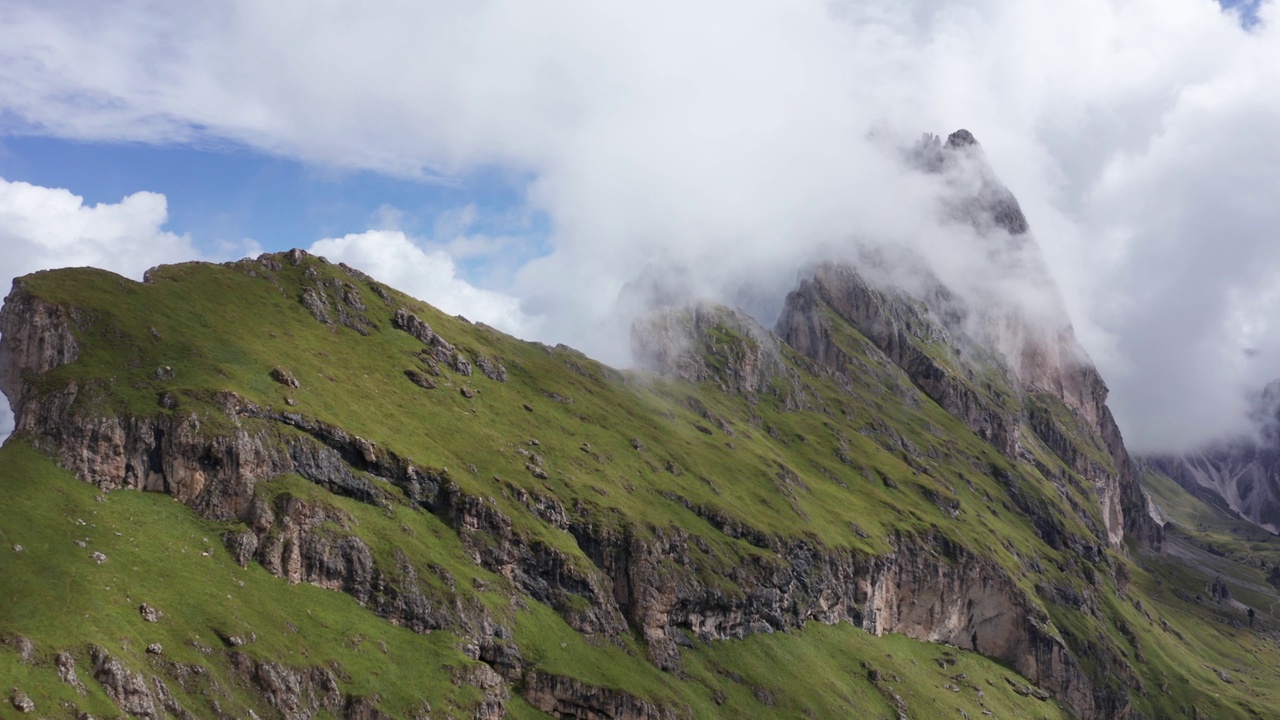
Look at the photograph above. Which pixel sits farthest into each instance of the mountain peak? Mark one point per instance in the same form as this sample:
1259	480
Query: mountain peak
961	138
981	200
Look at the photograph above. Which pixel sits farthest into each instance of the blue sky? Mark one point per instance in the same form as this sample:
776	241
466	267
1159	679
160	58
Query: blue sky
1248	9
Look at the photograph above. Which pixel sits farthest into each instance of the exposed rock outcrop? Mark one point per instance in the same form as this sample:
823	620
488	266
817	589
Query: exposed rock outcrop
65	663
21	702
331	299
983	361
441	350
293	693
980	198
303	693
908	335
977	387
926	588
1239	475
126	688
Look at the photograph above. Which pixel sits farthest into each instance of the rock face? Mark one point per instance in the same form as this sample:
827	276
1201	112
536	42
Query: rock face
950	597
215	474
984	201
568	698
652	585
127	688
293	693
903	329
999	401
1243	475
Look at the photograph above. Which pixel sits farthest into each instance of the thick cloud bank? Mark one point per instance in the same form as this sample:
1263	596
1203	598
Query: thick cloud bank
739	140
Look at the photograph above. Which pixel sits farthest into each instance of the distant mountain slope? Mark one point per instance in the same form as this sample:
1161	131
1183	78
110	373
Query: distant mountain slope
1241	474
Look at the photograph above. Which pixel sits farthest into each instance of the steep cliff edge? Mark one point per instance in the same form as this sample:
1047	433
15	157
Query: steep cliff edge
37	339
219	410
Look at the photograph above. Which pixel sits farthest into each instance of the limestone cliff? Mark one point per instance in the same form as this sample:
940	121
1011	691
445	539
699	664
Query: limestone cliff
1062	403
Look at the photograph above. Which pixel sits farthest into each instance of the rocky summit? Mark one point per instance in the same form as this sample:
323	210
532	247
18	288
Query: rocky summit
278	488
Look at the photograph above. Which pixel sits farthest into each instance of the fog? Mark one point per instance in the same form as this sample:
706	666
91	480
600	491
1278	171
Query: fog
726	146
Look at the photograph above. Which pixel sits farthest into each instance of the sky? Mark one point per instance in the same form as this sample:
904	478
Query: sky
529	164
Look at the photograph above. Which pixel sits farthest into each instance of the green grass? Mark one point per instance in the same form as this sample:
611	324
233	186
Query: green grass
57	597
160	553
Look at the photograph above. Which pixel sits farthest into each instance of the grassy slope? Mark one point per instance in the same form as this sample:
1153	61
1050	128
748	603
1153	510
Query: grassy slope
55	595
226	327
160	553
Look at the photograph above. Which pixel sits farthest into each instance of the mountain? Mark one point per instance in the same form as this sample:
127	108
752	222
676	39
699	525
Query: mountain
279	488
1240	474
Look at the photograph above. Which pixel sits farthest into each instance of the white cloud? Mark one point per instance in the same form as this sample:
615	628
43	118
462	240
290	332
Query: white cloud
49	227
391	257
731	138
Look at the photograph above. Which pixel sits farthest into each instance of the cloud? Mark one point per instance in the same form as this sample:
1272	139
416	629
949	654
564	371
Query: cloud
393	258
48	227
732	139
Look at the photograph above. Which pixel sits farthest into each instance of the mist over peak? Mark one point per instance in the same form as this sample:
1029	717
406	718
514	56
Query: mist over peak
969	258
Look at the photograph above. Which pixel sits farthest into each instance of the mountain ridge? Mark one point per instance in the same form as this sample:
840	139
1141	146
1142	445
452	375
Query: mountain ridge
209	450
